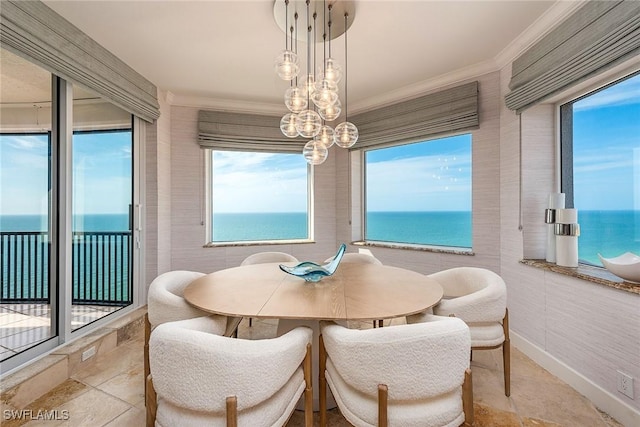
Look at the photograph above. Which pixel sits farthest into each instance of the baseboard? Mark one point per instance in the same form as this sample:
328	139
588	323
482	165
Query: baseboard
603	399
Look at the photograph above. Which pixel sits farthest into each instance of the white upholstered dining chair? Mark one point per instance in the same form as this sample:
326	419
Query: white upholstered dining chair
165	303
267	257
479	297
201	378
405	375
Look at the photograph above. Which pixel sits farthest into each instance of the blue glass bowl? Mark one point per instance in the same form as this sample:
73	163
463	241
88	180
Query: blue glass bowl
312	272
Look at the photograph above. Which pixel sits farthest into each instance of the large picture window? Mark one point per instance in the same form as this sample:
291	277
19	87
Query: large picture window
600	146
257	196
420	193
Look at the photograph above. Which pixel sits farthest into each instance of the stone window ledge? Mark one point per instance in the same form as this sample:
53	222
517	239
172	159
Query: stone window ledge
586	272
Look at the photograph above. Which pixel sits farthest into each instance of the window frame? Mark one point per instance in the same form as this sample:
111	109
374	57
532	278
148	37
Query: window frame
207	211
564	135
462	250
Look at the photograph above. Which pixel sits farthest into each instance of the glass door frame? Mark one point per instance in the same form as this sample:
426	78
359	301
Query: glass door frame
60	230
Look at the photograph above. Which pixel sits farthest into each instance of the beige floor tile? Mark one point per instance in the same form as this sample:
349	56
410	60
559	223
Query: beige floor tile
127	386
134	417
487	416
93	408
110	365
546	398
532	422
488	389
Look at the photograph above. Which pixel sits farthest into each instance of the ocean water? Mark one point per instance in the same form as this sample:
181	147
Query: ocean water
101	267
233	227
609	233
95	222
427	228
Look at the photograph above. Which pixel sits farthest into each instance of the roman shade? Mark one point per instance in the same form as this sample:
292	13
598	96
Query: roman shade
446	111
596	37
221	130
35	32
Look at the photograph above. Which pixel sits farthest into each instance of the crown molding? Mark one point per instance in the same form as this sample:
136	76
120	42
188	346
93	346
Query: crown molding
549	20
545	23
425	86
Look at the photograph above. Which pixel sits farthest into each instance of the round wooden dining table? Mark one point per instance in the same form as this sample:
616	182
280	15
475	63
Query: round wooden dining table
354	292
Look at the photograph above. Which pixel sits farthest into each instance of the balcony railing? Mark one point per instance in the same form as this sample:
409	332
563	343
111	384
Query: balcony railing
101	267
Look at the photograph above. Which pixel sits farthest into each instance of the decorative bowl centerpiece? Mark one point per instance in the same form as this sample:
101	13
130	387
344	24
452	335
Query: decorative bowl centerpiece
312	272
626	266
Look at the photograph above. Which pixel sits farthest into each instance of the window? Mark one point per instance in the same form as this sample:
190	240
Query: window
259	196
600	151
420	193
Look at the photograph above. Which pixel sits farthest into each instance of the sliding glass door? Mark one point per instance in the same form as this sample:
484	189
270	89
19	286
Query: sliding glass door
27	293
102	183
67	193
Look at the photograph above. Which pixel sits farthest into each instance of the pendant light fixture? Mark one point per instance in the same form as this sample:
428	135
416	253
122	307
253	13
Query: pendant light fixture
346	133
308	121
287	61
313	96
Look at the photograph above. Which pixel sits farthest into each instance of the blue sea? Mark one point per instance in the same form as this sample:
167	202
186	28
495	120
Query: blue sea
618	231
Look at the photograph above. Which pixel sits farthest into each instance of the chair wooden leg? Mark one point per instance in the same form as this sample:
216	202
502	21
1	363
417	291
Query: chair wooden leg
467	398
232	411
322	381
147	335
506	355
383	402
150	400
250	321
308	392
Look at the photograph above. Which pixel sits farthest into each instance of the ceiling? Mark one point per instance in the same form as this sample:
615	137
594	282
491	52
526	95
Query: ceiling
221	53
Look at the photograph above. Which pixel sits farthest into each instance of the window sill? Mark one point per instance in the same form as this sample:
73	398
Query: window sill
257	243
586	272
410	247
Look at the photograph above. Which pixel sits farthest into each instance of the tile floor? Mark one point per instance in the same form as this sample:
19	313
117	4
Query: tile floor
25	325
111	392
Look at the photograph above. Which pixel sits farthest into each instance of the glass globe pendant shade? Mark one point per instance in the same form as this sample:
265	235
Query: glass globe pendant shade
346	134
288	125
308	123
315	152
331	71
325	93
295	99
307	86
286	65
326	136
330	112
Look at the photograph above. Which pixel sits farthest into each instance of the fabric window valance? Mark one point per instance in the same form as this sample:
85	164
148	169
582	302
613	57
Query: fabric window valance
450	110
35	32
596	37
244	132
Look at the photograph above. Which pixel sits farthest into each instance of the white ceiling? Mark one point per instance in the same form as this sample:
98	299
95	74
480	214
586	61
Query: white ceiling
221	53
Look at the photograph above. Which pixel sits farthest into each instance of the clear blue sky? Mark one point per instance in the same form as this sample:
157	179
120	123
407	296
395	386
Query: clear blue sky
606	146
428	176
102	173
259	182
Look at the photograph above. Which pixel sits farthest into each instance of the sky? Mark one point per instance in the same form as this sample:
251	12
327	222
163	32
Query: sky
433	175
258	182
606	146
101	173
428	176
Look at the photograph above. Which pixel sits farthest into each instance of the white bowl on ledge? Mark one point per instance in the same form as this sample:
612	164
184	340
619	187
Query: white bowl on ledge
626	266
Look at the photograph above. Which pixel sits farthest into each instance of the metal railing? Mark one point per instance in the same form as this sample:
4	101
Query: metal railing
101	267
